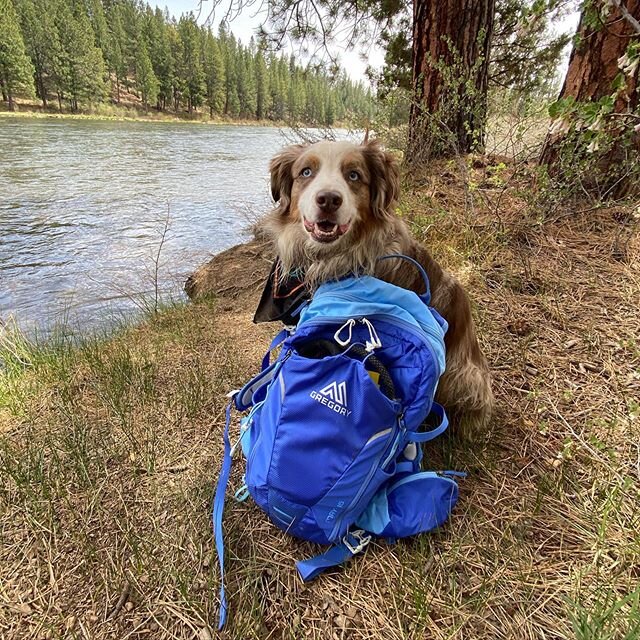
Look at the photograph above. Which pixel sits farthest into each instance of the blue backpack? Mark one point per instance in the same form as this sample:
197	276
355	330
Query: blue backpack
334	425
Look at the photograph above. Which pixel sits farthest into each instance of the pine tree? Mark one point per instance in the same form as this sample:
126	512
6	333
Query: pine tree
246	83
16	70
76	46
161	58
41	41
81	73
262	87
191	69
130	17
329	110
229	49
145	77
178	83
117	45
214	74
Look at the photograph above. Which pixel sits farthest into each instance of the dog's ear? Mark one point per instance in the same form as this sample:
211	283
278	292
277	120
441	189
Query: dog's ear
281	176
384	186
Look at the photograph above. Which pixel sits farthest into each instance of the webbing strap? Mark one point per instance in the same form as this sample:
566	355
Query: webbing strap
280	337
425	436
351	544
426	296
218	507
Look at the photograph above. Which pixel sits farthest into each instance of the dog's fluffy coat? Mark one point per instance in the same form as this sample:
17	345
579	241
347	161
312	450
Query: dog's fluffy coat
361	229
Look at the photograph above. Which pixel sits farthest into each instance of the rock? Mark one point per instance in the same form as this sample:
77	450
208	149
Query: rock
234	271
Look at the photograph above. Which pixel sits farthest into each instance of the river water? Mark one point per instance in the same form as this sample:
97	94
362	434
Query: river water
83	205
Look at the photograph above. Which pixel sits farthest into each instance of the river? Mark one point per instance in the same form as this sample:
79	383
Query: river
83	205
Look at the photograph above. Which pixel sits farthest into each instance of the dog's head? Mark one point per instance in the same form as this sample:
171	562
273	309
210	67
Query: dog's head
329	192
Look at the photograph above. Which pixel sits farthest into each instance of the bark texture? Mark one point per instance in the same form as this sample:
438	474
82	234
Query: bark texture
451	40
593	64
593	67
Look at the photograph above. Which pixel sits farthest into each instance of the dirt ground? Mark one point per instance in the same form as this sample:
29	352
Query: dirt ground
110	454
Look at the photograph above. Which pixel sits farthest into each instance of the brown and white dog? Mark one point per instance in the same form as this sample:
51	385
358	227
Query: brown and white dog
335	215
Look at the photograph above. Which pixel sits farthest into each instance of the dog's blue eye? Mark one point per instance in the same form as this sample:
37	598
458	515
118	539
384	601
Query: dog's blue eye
306	172
354	175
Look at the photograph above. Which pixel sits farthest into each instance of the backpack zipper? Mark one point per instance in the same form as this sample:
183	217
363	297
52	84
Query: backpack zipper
423	474
419	329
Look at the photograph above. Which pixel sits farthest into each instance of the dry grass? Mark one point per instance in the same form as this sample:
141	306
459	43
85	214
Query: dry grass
109	455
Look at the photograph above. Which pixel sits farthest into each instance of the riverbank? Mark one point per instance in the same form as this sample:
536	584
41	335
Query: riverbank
109	452
134	115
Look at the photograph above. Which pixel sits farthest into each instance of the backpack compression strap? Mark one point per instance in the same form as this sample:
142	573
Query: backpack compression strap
354	542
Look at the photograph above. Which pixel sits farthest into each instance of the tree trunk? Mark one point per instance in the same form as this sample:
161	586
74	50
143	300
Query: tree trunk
12	106
5	97
451	41
42	91
592	73
593	64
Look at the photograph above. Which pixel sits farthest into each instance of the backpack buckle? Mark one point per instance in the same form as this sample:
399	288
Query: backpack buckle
362	539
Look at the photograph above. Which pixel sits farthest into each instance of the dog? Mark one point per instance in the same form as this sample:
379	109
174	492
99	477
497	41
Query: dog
335	215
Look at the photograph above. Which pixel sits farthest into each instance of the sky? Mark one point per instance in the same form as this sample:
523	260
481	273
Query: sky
244	26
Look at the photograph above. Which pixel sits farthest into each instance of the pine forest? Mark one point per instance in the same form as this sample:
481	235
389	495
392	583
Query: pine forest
72	54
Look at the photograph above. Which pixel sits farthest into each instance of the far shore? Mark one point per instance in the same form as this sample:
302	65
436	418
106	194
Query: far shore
139	116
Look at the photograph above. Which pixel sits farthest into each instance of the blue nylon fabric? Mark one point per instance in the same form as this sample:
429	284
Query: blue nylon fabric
410	362
313	567
309	454
332	557
218	508
322	456
426	436
416	503
367	296
324	446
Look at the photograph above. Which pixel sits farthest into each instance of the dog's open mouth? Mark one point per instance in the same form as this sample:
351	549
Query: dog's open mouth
325	230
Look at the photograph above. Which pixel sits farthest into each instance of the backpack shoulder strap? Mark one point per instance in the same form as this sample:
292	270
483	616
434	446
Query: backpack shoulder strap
426	296
279	338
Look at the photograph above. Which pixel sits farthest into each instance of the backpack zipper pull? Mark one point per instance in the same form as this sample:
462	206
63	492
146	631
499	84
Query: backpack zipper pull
349	324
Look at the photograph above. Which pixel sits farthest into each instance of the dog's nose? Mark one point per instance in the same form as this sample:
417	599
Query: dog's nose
328	201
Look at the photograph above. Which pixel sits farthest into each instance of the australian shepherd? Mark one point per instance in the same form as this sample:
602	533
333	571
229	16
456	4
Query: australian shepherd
335	215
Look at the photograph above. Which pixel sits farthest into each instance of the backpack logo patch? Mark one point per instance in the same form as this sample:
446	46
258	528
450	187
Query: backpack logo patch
334	397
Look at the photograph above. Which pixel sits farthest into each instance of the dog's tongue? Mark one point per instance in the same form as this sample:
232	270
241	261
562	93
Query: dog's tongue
326	228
